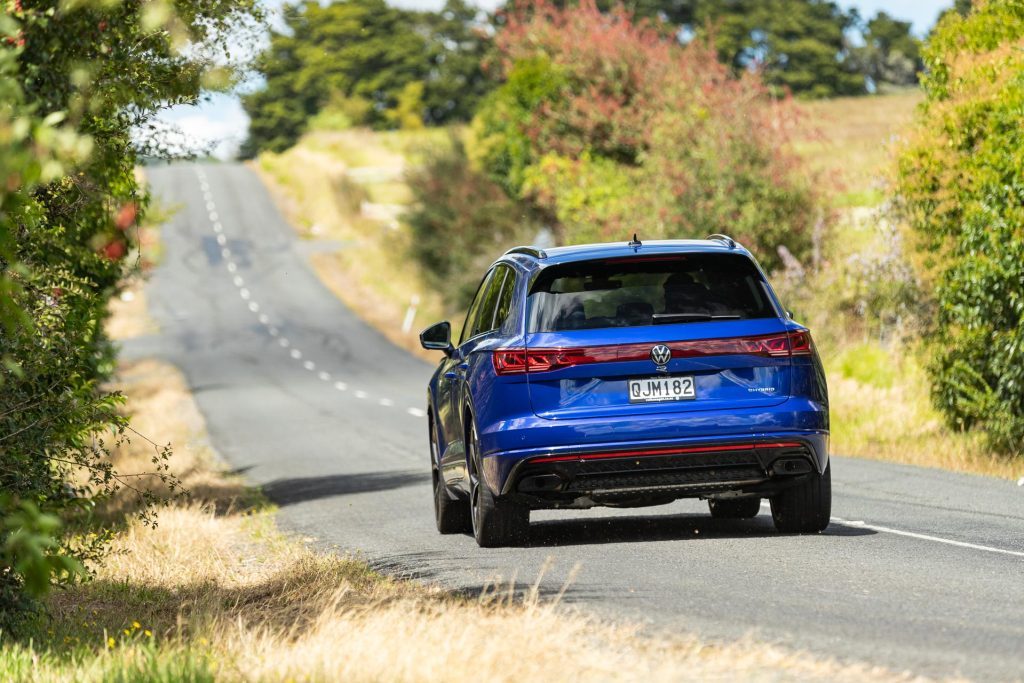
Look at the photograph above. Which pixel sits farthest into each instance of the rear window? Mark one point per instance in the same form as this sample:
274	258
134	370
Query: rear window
638	291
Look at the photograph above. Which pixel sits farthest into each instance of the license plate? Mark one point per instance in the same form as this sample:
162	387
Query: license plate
652	389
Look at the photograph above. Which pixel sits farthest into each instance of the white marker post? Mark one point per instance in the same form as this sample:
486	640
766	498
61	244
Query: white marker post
410	314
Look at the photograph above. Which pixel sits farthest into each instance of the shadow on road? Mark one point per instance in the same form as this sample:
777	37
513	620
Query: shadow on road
303	489
662	528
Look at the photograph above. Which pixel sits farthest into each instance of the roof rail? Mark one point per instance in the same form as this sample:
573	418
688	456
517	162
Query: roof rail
529	251
725	239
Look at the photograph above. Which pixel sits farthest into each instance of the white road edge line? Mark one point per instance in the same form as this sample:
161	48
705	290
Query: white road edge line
921	537
926	537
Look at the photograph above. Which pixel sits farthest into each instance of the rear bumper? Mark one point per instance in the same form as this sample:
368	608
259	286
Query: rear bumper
621	473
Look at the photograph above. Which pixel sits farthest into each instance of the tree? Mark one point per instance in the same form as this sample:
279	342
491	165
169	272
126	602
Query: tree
357	58
891	55
457	45
459	220
962	188
359	50
799	45
79	82
608	127
677	13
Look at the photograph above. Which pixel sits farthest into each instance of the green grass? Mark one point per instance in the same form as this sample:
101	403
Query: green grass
850	140
135	663
868	364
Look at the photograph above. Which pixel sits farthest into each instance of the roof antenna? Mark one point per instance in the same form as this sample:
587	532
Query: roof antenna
635	243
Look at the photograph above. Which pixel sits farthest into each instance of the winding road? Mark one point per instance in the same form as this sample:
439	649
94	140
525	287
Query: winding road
921	570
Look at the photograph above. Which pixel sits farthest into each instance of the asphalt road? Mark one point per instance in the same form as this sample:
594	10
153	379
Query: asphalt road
921	570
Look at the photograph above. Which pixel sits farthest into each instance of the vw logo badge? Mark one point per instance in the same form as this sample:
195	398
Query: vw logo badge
661	355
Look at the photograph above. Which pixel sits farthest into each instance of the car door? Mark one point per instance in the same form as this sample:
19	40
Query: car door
478	337
449	399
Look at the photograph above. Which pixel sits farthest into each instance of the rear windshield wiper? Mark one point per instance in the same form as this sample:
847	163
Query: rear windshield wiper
666	318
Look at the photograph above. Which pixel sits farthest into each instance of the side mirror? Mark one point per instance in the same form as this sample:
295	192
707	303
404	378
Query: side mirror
438	338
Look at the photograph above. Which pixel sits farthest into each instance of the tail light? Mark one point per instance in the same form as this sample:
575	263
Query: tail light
800	343
519	361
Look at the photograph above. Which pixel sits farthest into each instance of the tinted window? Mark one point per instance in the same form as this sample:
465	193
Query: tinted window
484	319
474	308
505	299
636	291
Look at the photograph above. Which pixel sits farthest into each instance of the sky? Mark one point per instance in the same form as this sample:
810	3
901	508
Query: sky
221	124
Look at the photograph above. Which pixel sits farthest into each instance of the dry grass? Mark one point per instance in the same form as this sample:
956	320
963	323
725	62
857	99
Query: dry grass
128	315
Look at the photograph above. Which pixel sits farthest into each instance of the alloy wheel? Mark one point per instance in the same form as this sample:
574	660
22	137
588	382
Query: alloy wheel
474	480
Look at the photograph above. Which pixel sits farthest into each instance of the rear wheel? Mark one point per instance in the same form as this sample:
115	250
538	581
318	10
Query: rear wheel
806	507
451	515
734	508
495	522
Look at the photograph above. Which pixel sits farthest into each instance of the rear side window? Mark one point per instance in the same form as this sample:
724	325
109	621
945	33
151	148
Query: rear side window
473	315
638	291
505	299
484	319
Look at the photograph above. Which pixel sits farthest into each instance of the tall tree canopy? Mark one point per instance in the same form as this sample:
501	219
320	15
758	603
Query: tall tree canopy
366	60
891	55
800	45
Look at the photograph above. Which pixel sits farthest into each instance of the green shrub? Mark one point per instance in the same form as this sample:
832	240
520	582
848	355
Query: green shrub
79	82
460	222
609	127
962	185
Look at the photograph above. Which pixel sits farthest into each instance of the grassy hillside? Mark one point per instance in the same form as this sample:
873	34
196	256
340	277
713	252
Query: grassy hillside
850	139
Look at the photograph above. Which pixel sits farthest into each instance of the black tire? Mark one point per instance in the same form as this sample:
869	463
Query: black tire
806	507
450	514
734	508
495	522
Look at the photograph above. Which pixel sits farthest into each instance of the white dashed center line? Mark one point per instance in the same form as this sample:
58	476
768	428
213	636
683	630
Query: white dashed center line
264	319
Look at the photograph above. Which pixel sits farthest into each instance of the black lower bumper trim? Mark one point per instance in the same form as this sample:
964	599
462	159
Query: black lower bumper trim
749	468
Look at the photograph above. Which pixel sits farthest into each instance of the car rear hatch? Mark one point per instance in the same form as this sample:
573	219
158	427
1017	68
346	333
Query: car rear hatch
595	329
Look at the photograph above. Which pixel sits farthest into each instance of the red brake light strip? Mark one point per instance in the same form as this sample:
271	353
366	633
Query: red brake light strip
520	360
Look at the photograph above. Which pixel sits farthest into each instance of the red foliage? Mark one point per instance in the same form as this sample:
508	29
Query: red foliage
622	76
126	216
633	94
114	250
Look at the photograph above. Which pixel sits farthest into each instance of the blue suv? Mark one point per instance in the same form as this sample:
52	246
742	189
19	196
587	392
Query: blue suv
626	375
